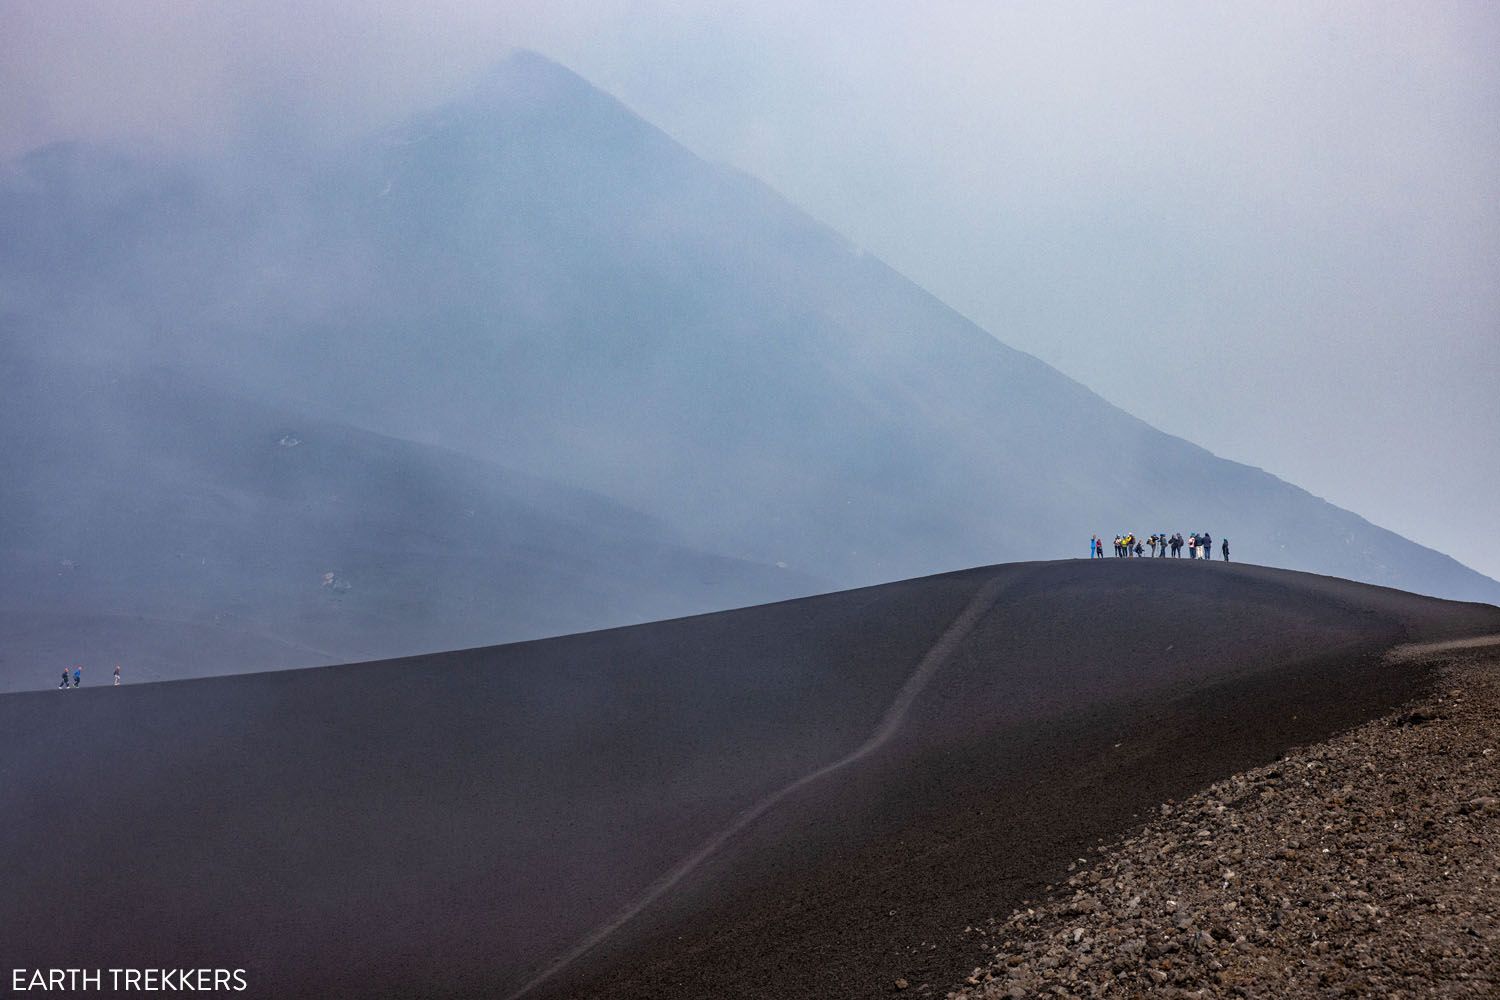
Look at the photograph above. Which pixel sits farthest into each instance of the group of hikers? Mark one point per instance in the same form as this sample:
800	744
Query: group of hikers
78	677
1128	546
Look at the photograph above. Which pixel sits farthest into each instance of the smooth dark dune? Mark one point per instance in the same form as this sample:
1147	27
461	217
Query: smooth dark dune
455	824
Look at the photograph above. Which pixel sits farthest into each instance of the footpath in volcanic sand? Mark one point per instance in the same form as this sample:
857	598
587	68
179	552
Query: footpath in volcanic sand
487	821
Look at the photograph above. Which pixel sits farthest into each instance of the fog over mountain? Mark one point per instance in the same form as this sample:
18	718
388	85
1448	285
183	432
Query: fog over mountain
1271	229
534	279
189	532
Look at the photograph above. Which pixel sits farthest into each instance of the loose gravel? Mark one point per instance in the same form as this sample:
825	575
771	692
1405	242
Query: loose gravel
1365	866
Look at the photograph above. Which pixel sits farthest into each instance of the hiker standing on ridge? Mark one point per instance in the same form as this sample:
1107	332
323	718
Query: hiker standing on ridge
1193	545
1208	545
117	675
1225	548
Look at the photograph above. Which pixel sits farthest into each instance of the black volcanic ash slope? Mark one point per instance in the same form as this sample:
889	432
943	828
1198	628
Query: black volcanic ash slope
450	824
534	276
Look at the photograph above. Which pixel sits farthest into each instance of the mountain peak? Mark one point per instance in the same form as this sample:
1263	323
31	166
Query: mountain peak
527	101
529	79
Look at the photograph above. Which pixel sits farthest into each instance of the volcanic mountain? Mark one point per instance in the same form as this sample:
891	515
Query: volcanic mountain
532	278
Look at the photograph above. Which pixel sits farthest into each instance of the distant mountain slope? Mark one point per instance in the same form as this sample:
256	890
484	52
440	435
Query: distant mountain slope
184	532
451	825
534	276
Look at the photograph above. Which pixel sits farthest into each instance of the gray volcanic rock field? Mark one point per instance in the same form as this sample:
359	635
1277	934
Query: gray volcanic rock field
1365	866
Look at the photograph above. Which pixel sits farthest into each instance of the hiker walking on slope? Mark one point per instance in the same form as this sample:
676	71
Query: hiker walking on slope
64	683
77	676
117	675
1225	549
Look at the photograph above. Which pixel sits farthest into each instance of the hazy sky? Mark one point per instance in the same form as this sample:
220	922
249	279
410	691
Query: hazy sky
1273	229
